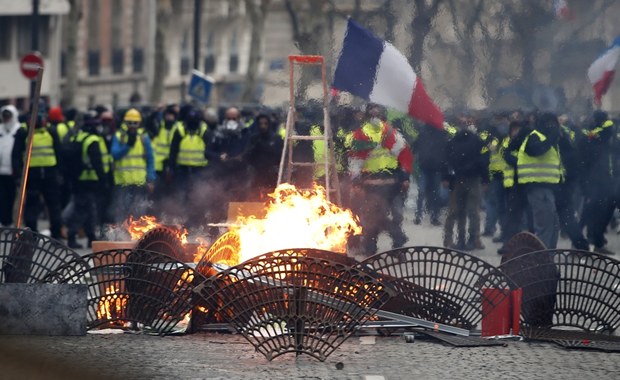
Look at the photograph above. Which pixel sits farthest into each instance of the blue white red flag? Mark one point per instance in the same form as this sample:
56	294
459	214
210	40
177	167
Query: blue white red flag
601	71
375	70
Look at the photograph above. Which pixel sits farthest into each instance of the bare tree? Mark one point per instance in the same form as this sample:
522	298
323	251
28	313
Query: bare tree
257	11
309	24
71	58
421	24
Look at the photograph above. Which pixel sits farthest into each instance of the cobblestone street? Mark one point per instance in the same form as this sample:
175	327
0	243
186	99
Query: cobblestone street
222	356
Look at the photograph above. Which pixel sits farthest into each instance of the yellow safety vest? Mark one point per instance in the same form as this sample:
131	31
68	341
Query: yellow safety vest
451	130
508	170
106	157
43	154
542	169
192	148
496	158
380	158
88	173
596	131
161	144
131	168
62	129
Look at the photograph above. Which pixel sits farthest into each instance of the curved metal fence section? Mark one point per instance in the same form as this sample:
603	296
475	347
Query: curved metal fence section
225	250
567	288
29	257
295	301
137	289
440	284
164	240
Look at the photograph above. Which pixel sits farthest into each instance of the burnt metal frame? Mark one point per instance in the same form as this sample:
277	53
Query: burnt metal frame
149	288
30	257
289	301
457	278
583	295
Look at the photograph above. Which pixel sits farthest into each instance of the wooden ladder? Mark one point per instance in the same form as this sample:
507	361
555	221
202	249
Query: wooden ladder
287	165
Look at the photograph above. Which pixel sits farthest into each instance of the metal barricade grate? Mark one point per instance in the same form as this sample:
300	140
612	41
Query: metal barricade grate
137	289
291	301
567	288
164	240
446	285
29	257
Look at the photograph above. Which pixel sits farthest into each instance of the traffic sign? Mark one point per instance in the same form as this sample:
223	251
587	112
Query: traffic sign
200	86
30	63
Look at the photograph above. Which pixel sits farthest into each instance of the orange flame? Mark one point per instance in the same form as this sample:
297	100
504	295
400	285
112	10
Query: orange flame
297	219
113	305
138	227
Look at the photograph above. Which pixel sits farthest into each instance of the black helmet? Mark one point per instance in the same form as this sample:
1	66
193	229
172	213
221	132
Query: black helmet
90	122
193	118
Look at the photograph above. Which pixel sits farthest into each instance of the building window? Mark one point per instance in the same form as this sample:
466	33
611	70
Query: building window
138	31
63	64
116	37
209	63
233	62
94	62
185	65
6	38
118	60
138	60
24	35
185	55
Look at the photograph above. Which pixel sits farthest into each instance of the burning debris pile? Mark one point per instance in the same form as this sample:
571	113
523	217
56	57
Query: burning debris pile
283	281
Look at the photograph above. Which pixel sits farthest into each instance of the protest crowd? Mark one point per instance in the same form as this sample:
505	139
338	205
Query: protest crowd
484	174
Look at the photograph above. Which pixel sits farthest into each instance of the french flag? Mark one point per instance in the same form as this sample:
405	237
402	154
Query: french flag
375	70
601	71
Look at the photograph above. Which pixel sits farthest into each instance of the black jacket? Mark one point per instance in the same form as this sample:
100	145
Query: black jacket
430	141
465	158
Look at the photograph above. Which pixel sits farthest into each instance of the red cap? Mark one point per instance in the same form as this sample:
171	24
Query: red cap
55	114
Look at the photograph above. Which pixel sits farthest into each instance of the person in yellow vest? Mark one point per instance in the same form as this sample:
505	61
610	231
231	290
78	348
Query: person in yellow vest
380	165
57	122
495	200
161	145
539	169
90	182
598	176
188	163
516	199
134	167
42	174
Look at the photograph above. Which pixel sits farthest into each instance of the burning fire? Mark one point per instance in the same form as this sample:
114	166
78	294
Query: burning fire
297	219
113	305
138	227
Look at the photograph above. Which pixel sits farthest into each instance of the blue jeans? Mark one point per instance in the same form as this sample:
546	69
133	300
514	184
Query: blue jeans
544	215
429	184
494	203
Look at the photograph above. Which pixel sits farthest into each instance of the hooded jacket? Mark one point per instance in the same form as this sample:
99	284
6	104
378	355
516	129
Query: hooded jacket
7	140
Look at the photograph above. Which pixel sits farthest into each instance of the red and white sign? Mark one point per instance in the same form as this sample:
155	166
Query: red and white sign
29	65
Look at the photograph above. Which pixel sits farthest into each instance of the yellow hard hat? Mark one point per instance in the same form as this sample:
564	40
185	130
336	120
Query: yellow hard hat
133	115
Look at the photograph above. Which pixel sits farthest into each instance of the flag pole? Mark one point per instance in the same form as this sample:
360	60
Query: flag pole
31	126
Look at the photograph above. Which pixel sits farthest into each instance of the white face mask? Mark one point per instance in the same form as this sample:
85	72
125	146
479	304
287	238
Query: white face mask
471	128
375	121
231	125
